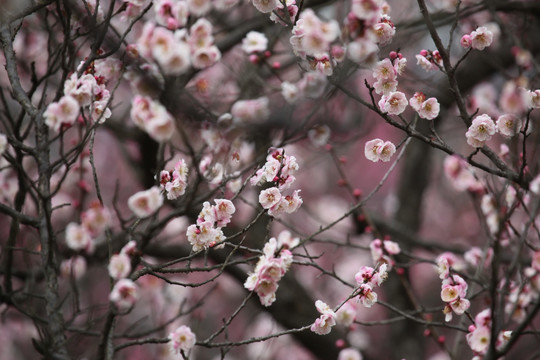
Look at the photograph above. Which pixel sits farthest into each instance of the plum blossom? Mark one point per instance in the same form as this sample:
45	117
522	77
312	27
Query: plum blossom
460	173
77	237
174	182
151	116
119	266
480	131
145	203
124	294
324	323
349	354
182	339
346	314
207	231
481	38
532	98
378	149
429	109
508	125
254	42
96	219
271	267
394	104
290	92
265	6
63	112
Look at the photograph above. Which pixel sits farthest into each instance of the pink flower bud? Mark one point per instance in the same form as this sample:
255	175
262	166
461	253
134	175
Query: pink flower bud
423	52
466	41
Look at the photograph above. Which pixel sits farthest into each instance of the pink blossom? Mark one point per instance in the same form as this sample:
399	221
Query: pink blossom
323	325
119	266
145	203
269	197
205	57
481	38
371	149
532	98
199	7
395	103
349	354
479	339
254	42
96	219
466	41
508	125
346	314
384	31
124	294
82	89
367	296
385	86
417	100
77	237
319	135
65	111
182	339
481	130
265	6
429	109
290	92
424	63
384	70
366	9
460	305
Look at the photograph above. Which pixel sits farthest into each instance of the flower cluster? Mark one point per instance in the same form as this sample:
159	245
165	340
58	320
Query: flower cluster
145	203
94	221
479	39
250	111
207	232
124	292
174	182
479	336
87	92
152	117
426	108
182	339
368	26
278	169
385	73
367	278
453	292
378	149
324	323
271	267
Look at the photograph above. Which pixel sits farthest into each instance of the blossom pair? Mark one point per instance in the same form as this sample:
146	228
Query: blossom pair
378	149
